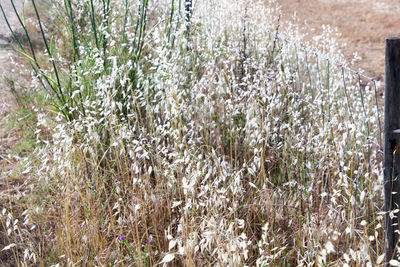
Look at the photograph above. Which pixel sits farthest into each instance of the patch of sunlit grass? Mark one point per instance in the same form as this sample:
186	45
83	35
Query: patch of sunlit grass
201	142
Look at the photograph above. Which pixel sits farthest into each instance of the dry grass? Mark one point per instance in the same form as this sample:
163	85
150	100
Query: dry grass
201	147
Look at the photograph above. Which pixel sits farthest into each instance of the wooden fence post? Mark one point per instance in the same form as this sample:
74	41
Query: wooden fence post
188	10
392	147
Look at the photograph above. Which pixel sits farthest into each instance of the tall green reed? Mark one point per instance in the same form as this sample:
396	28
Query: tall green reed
58	81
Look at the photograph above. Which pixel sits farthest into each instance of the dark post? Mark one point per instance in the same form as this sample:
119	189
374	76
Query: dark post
188	9
188	14
392	146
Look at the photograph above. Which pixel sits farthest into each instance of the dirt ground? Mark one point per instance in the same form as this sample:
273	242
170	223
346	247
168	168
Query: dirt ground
363	24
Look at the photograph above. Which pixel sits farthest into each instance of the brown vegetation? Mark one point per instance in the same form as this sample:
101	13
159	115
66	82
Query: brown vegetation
363	25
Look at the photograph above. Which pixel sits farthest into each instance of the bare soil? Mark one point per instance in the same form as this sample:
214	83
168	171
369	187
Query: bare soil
364	25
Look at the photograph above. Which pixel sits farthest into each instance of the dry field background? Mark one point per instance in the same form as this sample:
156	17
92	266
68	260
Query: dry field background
363	24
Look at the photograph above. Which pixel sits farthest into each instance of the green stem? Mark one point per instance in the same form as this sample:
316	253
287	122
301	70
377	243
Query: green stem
71	17
48	51
93	21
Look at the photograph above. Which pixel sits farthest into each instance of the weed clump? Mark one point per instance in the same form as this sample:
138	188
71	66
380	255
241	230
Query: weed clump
201	139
